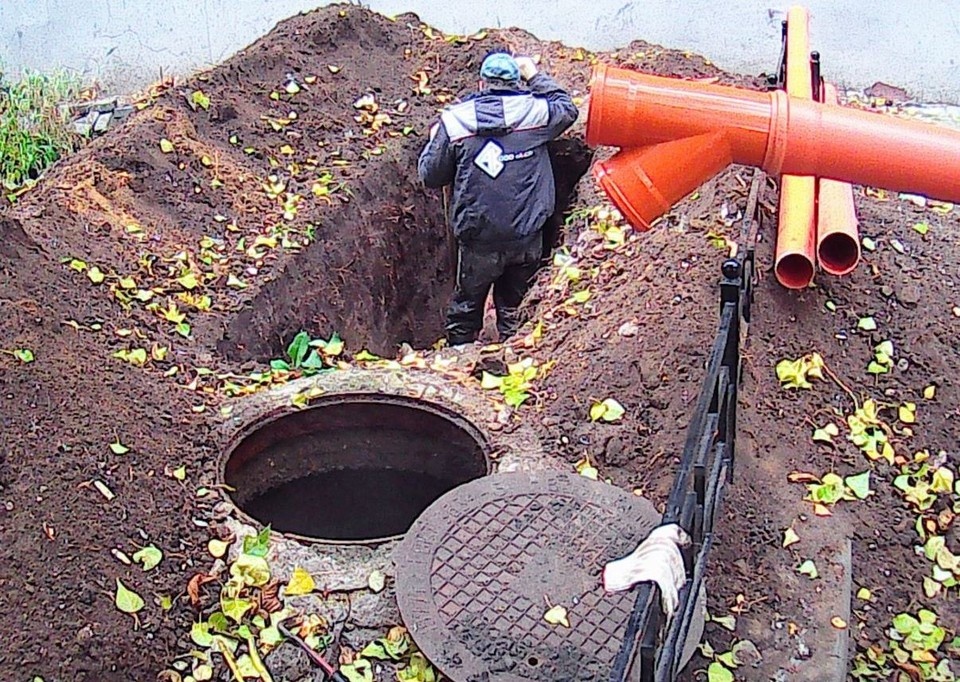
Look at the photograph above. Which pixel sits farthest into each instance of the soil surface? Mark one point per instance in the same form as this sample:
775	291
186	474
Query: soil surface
210	228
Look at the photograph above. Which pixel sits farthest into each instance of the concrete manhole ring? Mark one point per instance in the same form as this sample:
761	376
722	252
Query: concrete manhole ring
481	566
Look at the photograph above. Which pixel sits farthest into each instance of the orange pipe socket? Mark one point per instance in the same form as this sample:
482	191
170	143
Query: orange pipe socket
796	221
838	236
778	133
645	182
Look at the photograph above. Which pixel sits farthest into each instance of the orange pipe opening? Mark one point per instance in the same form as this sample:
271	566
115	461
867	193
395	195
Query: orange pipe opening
778	133
643	183
796	222
838	235
796	231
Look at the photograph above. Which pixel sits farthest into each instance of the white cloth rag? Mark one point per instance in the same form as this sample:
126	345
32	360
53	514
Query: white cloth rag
657	559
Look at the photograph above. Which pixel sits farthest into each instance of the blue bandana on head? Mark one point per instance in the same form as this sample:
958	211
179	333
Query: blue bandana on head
500	67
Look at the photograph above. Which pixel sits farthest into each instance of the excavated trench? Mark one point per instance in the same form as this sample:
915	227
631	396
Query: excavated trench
381	271
353	468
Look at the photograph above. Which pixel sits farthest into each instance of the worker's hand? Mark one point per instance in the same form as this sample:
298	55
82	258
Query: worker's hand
528	69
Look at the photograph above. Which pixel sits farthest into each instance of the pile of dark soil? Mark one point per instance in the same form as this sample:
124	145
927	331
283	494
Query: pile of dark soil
278	192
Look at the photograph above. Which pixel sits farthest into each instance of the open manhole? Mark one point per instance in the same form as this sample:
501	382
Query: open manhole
352	468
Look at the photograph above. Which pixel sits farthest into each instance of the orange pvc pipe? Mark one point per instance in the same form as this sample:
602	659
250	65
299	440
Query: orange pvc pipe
838	235
799	80
778	133
645	182
794	263
796	231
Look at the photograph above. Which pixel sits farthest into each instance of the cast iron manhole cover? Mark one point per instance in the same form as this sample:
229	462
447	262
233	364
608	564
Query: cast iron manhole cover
478	570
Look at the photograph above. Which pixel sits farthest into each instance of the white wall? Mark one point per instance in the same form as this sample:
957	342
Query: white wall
127	43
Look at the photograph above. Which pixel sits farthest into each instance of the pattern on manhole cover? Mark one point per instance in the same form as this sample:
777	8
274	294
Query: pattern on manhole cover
477	570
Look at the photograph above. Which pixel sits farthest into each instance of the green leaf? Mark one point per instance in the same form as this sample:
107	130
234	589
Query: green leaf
390	648
24	355
608	410
728	659
809	569
203	673
127	600
931	587
418	669
119	448
490	381
717	673
279	366
166	146
790	537
183	329
376	581
859	484
827	433
166	602
199	99
334	346
358	671
313	361
867	324
257	545
297	350
515	398
180	473
921	228
942	481
927	616
904	623
251	570
301	582
149	556
188	281
235	609
217	548
95	275
581	296
200	634
219	622
745	652
726	622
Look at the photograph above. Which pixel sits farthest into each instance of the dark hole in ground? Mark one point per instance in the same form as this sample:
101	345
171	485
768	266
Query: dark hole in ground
382	267
353	468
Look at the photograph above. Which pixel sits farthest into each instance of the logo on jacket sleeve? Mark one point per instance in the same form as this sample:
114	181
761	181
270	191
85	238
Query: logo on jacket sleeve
488	159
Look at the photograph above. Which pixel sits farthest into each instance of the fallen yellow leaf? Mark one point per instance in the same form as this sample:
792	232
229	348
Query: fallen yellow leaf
300	583
790	537
557	615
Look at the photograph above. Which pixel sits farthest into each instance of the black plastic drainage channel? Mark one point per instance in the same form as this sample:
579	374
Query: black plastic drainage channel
652	649
352	468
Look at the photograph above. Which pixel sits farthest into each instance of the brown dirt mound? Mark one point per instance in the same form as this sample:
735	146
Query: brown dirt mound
202	269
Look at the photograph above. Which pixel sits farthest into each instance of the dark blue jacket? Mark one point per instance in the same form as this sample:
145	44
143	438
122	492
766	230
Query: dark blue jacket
493	148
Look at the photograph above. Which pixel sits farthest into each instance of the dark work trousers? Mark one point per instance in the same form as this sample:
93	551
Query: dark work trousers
509	268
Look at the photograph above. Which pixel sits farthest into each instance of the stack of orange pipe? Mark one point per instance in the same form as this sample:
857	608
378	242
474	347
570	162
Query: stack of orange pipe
675	135
817	217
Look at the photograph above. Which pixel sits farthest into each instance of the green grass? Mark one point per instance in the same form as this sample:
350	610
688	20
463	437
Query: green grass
33	131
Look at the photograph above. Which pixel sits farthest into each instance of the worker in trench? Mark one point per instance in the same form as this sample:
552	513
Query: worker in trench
492	148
